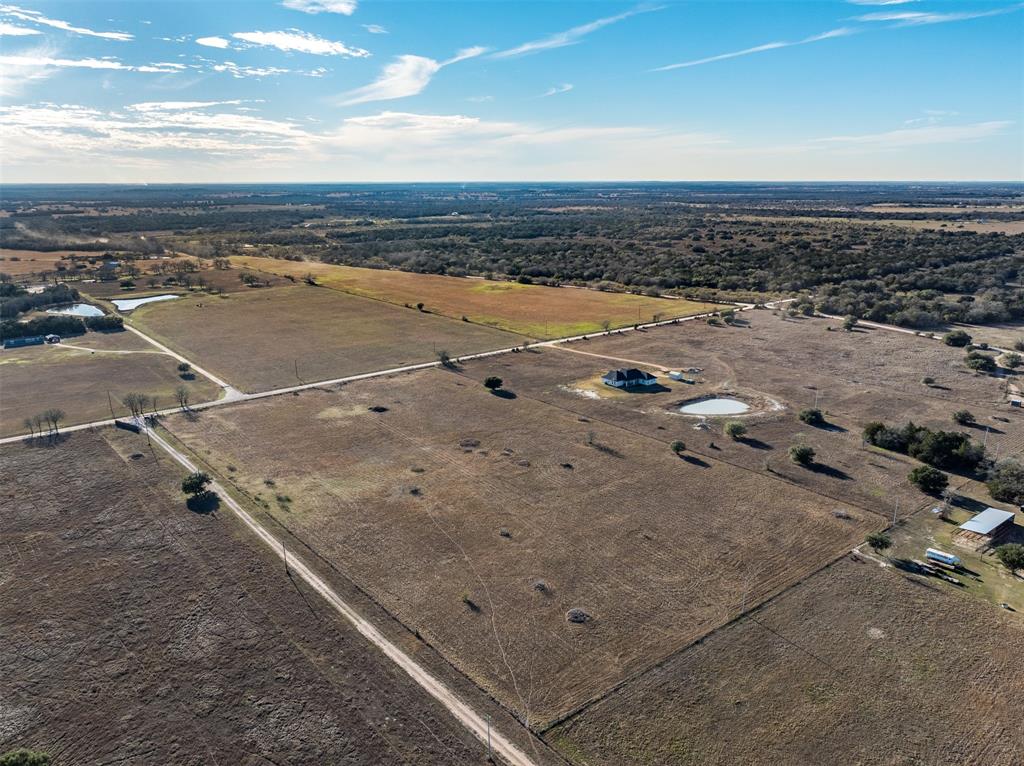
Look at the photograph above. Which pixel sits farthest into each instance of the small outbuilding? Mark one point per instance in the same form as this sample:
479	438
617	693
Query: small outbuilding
985	528
628	378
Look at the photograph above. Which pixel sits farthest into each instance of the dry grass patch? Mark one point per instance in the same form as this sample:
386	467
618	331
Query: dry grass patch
531	310
276	337
480	521
78	380
855	665
137	631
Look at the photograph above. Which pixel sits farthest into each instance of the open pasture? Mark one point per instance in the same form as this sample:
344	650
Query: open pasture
276	337
78	375
780	367
481	521
22	263
137	631
531	310
854	665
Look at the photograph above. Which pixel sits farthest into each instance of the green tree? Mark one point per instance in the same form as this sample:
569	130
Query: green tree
493	382
184	368
23	757
963	418
928	479
196	484
801	454
1006	482
734	429
980	362
957	338
812	417
879	541
678	447
1011	556
849	322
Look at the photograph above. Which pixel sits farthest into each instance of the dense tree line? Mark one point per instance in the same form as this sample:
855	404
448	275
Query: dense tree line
15	300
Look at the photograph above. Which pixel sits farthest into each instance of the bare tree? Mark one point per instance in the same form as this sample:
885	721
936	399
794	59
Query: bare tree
182	395
53	416
136	403
27	422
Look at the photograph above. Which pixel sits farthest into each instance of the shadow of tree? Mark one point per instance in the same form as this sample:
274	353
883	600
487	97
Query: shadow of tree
203	503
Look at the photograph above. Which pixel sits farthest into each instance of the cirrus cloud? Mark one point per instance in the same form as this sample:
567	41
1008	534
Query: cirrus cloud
344	7
295	40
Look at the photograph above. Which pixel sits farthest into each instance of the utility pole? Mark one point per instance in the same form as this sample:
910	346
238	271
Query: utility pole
895	511
284	553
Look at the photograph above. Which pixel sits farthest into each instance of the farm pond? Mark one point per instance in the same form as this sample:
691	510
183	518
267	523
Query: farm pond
718	405
78	310
127	304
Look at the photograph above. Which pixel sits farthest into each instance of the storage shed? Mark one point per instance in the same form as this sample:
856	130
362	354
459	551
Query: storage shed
986	527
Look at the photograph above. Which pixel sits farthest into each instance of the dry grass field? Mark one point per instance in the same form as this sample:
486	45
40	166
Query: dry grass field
855	665
531	310
257	340
480	521
136	631
780	367
19	263
77	380
206	279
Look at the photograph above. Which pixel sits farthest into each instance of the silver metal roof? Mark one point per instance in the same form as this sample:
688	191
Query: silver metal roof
986	521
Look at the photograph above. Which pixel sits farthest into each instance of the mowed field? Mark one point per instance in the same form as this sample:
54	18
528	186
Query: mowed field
855	665
781	367
276	337
136	631
20	263
480	521
532	310
78	375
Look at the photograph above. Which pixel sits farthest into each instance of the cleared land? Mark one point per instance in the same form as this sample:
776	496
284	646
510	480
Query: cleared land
780	367
19	263
77	380
137	631
481	521
276	337
531	310
855	665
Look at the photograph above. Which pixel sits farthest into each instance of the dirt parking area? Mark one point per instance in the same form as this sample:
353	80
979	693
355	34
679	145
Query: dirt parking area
855	665
136	631
276	337
483	521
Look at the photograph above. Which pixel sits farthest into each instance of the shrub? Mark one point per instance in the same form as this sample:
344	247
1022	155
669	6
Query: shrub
849	323
195	484
812	417
493	382
678	447
105	323
1011	556
963	418
735	429
801	454
879	541
928	479
928	380
1006	482
957	338
23	757
980	362
1011	360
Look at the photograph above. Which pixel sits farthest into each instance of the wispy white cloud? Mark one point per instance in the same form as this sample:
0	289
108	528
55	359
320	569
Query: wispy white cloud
35	17
301	42
14	30
881	2
213	42
931	117
407	75
557	89
166	106
919	18
571	36
375	29
345	7
932	134
239	71
479	99
830	34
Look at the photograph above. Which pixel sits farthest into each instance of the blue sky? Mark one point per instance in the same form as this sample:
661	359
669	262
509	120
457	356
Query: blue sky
360	90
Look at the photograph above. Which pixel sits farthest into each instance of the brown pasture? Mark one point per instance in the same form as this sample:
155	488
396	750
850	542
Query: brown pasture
276	337
857	664
78	380
481	520
138	631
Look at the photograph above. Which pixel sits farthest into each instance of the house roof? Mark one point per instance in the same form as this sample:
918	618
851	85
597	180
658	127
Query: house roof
987	521
627	375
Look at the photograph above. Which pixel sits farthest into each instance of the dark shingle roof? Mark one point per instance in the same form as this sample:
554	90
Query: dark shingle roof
627	376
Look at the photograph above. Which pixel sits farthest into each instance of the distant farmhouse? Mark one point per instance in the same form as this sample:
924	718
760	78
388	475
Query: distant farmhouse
623	378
